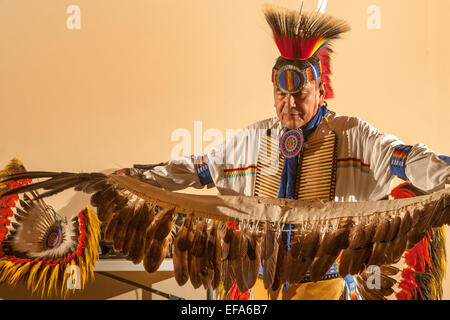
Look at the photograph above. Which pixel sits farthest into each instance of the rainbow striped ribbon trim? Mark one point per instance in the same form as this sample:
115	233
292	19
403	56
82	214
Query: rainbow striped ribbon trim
397	163
239	172
353	163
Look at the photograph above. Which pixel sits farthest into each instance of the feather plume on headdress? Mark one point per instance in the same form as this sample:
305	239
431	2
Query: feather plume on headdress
299	36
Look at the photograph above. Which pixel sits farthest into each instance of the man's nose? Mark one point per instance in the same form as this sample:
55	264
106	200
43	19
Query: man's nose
290	100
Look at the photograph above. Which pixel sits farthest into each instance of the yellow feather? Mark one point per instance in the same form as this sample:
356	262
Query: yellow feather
75	276
64	280
32	276
5	269
83	273
93	239
53	279
41	282
68	272
11	271
19	274
3	264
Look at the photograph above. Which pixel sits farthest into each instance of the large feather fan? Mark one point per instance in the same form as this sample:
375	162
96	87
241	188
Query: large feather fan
206	251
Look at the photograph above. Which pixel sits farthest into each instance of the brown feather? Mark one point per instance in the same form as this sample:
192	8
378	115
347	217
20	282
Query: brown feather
180	264
406	224
280	274
155	254
422	218
111	228
301	255
200	240
165	223
334	242
446	210
124	217
385	280
247	265
252	272
360	258
369	232
254	258
377	255
346	262
389	270
320	266
159	228
365	292
238	246
137	245
396	249
382	230
218	259
311	245
240	269
440	210
103	197
226	245
394	229
211	246
293	257
96	197
268	242
296	246
228	276
206	273
97	185
105	212
186	233
414	237
270	261
357	237
194	272
133	226
298	269
216	279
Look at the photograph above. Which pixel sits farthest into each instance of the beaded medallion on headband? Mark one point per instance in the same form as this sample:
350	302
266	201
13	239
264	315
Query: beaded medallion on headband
303	40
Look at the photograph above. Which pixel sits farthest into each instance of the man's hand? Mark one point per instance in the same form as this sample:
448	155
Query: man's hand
122	172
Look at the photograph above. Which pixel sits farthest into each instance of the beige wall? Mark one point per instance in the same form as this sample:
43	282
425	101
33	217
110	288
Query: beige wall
111	93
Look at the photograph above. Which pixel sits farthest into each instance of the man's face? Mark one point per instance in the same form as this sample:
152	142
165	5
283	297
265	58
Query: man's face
296	110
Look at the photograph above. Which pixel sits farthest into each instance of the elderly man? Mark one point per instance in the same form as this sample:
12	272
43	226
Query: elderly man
268	157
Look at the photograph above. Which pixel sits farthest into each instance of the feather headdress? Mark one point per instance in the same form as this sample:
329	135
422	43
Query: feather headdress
301	36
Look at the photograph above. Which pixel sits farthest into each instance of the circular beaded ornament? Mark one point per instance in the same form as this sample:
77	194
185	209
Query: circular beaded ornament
290	79
291	143
53	238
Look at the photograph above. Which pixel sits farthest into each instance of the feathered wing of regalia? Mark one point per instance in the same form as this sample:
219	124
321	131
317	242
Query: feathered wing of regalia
39	248
419	272
140	223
